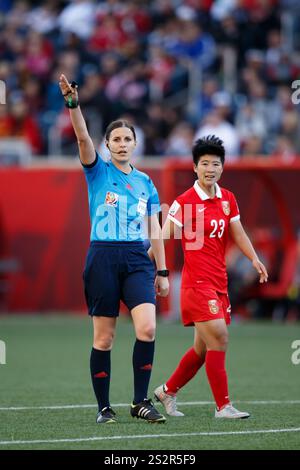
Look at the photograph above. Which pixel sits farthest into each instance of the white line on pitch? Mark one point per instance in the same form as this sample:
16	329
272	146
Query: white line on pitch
151	436
123	405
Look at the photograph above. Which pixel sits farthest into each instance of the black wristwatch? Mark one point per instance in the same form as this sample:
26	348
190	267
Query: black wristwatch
163	273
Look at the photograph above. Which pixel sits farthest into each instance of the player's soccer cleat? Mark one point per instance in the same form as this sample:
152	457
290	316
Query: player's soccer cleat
169	401
145	410
106	416
230	412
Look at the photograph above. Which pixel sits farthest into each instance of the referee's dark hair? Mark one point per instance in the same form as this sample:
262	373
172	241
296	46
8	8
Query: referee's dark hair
116	124
209	145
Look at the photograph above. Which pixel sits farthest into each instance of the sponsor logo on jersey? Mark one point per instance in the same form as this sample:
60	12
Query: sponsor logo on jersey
111	199
213	306
226	207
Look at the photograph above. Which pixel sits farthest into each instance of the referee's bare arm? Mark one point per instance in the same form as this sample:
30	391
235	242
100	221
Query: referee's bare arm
85	143
168	231
156	239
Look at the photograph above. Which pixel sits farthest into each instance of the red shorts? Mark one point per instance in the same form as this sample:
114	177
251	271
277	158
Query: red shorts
203	305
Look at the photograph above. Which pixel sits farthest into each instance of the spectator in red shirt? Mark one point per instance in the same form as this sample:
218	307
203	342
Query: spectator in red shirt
107	36
19	123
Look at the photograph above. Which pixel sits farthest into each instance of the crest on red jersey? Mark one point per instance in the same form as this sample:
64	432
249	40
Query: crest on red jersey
226	207
213	306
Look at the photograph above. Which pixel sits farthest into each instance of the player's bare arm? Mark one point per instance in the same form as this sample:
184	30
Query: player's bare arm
158	253
242	240
86	147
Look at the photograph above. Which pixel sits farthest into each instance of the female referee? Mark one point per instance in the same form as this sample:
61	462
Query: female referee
204	216
117	265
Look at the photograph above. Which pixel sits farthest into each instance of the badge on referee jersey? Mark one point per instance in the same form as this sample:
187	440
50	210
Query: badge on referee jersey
111	199
142	206
226	207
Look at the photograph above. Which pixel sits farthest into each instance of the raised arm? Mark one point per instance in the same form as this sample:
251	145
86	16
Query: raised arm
86	147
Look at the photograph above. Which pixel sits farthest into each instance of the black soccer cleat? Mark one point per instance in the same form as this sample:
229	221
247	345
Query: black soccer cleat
145	410
106	416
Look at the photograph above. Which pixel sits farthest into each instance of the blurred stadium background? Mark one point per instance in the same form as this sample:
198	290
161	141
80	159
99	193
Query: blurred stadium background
177	69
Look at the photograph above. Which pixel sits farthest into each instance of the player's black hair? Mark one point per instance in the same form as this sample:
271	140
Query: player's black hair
115	125
209	145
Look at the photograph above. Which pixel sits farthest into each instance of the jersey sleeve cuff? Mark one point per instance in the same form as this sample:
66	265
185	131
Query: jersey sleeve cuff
234	219
90	165
176	222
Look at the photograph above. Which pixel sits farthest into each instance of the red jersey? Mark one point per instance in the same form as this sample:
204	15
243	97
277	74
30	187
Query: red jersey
204	226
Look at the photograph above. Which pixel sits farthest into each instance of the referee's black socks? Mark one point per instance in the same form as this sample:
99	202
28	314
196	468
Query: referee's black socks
142	359
100	373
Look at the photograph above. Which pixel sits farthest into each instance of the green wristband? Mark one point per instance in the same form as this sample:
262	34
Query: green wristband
71	104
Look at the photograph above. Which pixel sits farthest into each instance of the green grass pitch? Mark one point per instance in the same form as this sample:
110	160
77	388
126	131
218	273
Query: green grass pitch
47	365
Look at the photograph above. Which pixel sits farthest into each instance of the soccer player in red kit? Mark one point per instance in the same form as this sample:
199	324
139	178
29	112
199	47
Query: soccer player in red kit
203	217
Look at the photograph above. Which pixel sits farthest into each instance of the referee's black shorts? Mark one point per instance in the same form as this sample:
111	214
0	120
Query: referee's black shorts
117	271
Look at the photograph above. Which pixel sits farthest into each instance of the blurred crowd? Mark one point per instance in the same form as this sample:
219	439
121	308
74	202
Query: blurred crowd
177	69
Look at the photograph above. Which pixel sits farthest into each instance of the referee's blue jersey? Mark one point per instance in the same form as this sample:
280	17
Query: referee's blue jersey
118	202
